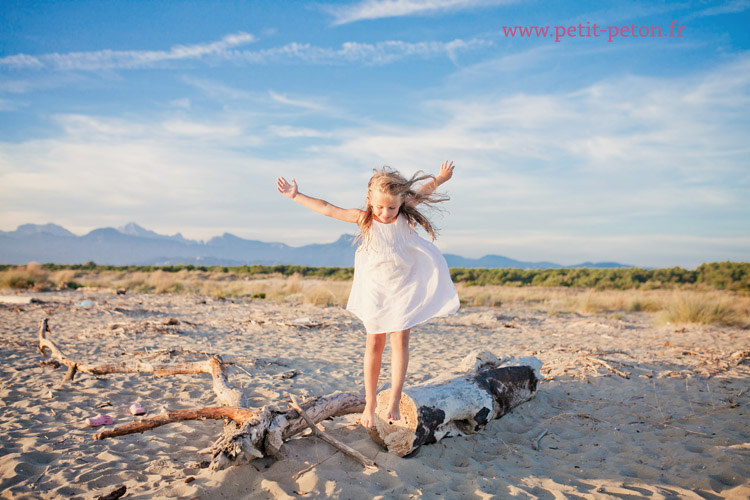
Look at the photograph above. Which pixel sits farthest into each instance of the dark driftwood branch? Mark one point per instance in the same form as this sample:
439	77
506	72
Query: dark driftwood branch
114	494
345	448
239	415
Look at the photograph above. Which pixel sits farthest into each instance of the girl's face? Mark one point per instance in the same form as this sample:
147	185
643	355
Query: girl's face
384	206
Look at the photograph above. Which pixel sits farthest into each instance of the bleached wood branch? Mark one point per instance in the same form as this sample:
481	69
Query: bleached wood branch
215	366
345	448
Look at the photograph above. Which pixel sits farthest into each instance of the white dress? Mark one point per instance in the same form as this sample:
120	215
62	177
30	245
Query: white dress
400	280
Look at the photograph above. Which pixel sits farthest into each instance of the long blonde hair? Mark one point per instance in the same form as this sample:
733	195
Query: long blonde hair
392	183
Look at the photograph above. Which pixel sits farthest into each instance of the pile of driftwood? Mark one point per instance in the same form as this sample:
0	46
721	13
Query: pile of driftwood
456	403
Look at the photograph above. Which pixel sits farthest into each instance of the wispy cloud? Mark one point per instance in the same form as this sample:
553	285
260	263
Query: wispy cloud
297	103
378	53
201	130
6	105
103	171
640	153
625	167
287	132
731	7
378	9
366	53
219	91
128	59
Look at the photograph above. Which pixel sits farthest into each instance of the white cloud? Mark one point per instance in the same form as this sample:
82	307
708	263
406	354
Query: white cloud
378	53
186	128
21	61
297	103
183	103
102	172
378	9
219	91
657	155
286	131
367	53
113	59
622	169
6	105
731	7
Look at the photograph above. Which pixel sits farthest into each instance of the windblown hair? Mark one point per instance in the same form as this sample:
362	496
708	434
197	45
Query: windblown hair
390	182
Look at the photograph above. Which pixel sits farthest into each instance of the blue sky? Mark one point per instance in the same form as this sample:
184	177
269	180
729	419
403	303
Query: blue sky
180	115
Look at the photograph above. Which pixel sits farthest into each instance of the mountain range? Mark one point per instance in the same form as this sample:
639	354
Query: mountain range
133	245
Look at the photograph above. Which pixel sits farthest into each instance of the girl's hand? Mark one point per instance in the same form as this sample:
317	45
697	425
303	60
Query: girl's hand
446	171
288	190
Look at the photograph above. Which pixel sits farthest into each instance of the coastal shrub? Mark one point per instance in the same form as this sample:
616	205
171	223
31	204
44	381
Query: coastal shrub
731	276
32	276
702	309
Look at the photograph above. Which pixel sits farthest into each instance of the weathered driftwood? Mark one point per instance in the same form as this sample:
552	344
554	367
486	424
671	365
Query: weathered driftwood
266	433
345	448
456	403
216	366
239	415
259	433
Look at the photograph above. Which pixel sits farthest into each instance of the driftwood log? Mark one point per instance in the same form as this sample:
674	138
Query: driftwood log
253	433
265	434
456	403
467	401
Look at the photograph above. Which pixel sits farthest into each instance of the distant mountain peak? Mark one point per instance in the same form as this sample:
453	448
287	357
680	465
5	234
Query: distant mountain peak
31	229
133	244
133	229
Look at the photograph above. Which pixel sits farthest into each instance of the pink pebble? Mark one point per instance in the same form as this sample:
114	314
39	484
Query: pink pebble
137	409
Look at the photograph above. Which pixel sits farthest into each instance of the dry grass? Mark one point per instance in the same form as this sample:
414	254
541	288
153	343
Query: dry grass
29	277
706	309
668	306
672	306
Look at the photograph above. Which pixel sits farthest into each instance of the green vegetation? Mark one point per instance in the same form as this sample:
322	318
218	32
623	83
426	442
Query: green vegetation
729	276
712	294
337	273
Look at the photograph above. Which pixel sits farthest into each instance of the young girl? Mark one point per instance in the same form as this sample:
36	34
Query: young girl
400	279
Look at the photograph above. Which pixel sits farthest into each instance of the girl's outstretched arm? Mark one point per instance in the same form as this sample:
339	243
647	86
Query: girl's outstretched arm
321	206
446	172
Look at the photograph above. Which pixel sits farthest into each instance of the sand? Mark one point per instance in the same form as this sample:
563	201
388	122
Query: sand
677	428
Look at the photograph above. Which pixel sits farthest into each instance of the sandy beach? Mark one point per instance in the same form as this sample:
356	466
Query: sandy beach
678	427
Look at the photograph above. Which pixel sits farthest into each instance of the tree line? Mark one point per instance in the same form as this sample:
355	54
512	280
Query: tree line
732	276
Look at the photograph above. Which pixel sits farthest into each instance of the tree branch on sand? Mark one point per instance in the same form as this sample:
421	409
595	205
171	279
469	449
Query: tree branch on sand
216	366
455	403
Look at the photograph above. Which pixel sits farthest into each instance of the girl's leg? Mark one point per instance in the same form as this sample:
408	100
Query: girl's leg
399	364
373	356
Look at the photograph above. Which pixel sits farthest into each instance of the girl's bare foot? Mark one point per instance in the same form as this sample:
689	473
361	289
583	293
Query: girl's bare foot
394	412
367	420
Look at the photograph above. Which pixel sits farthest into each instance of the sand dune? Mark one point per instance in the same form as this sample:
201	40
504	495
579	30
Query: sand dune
677	428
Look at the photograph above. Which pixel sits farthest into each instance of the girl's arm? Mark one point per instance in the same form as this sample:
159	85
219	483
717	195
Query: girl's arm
320	206
446	172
